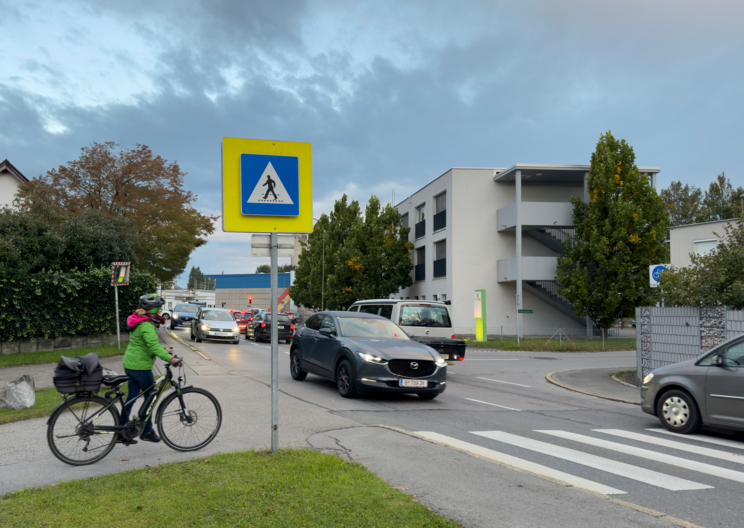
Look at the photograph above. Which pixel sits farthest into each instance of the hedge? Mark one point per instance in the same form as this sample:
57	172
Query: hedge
54	304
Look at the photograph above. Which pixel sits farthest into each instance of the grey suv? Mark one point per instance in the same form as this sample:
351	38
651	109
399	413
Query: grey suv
703	391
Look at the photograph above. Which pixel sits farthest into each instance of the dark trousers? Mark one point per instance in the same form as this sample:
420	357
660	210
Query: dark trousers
139	381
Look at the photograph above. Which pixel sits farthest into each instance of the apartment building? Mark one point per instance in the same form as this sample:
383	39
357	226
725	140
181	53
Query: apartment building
498	230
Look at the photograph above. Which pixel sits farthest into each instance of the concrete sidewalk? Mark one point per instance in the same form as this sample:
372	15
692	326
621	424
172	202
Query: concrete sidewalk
596	382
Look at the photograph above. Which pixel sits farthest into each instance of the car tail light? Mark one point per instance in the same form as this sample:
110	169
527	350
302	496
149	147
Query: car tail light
459	358
291	327
453	336
263	325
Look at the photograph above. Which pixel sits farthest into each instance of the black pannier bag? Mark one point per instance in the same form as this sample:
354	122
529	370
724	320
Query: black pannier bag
82	374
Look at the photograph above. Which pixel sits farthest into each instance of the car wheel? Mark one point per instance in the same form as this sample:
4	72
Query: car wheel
295	366
428	396
191	335
678	412
345	379
197	338
171	326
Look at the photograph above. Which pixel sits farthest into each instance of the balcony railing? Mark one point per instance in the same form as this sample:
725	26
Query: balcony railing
419	272
440	220
440	268
420	229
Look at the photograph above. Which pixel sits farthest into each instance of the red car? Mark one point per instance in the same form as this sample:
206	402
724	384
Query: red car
242	318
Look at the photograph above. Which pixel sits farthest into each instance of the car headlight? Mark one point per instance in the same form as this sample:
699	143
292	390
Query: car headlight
236	329
205	327
439	361
648	377
175	316
369	358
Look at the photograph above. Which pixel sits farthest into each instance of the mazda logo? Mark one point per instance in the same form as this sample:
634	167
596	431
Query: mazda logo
414	365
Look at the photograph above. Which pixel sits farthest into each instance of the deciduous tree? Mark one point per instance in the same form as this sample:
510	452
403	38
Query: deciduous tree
365	257
619	233
684	202
140	190
716	278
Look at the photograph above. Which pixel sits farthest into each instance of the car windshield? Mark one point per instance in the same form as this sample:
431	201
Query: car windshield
281	318
186	308
372	328
424	315
216	315
241	316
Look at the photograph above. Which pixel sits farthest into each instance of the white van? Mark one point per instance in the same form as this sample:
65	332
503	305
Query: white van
427	322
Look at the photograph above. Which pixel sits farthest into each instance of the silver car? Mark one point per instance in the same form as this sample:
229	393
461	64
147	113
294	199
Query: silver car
708	390
217	324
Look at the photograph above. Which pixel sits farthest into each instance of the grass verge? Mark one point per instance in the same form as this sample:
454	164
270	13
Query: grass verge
34	358
628	376
539	344
46	401
292	488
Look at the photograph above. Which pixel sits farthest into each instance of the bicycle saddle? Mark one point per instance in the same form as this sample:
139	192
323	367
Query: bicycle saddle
114	381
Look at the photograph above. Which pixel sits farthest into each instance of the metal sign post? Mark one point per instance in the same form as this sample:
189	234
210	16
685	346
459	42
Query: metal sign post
274	344
119	277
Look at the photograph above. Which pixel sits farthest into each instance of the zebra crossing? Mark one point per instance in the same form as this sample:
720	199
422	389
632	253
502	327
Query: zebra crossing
610	441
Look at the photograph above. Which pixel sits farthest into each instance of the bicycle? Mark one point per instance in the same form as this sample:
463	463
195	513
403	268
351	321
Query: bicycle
85	427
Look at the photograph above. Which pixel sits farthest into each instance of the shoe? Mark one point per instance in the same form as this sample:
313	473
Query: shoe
122	440
151	437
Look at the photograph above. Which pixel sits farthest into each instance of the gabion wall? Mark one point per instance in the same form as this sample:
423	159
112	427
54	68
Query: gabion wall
670	335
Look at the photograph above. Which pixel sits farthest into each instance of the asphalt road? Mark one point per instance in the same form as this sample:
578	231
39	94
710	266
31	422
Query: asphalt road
499	408
501	447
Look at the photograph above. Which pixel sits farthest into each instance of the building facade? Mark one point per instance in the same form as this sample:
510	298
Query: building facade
10	181
498	230
695	239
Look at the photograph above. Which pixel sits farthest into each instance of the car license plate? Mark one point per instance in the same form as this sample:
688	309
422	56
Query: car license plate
413	383
220	334
445	356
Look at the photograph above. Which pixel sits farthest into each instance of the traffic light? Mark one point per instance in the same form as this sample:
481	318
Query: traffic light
250	300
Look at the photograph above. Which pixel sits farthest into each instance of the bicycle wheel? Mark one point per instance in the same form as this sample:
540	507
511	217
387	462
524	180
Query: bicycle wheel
72	434
201	408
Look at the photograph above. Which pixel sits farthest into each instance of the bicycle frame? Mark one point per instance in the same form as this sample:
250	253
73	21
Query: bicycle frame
152	396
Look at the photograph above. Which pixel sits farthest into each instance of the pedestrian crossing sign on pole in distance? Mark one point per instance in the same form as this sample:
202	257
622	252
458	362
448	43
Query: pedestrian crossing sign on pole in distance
266	186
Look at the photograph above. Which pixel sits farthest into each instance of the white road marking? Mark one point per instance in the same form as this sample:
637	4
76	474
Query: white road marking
521	464
676	461
494	404
663	442
507	382
701	438
285	352
640	474
490	359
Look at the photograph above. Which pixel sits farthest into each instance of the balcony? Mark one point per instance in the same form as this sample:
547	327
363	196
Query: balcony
536	214
440	220
420	229
533	269
419	272
440	268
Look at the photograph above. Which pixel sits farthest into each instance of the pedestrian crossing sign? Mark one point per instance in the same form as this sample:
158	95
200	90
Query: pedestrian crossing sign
266	186
269	185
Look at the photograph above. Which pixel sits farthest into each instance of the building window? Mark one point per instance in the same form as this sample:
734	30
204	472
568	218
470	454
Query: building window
420	221
435	297
420	267
440	211
704	247
443	297
440	259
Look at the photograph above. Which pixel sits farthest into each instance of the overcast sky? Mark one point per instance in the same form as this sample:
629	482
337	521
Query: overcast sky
391	94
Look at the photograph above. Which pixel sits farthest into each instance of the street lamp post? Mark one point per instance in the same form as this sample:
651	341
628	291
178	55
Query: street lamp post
322	277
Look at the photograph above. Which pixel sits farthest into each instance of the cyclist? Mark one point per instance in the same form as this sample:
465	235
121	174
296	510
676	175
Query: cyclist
140	356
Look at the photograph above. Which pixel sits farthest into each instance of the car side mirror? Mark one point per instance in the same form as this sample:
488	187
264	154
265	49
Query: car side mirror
326	332
716	360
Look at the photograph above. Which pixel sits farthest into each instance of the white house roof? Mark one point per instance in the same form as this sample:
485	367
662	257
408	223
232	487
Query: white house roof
7	167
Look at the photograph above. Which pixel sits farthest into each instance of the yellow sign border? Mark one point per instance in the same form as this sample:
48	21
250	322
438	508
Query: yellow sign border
233	220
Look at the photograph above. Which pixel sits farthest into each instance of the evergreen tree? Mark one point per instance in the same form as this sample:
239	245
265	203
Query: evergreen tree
619	233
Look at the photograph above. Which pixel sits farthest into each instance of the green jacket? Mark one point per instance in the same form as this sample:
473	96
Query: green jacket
143	347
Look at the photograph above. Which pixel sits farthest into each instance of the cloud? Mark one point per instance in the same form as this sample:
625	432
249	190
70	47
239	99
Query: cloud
391	95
